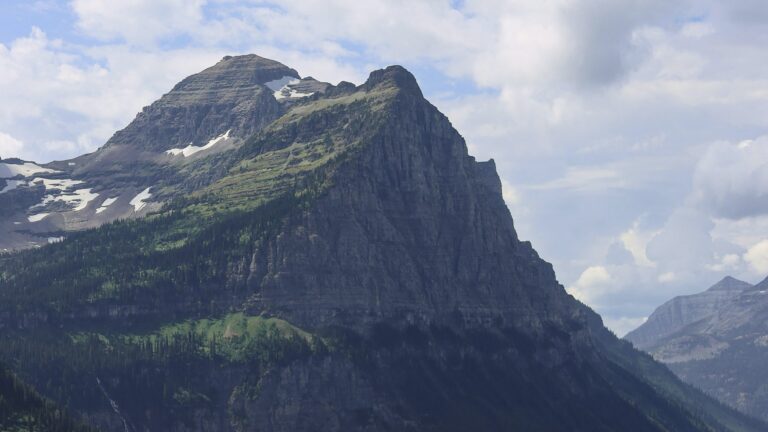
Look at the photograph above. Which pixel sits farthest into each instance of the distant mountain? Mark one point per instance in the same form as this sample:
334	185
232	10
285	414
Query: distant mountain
716	340
289	255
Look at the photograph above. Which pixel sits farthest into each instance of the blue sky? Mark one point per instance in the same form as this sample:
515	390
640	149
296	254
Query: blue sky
630	135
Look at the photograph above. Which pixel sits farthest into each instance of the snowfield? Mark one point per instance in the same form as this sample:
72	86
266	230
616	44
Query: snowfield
287	92
277	84
38	217
138	202
282	88
107	202
77	200
11	185
190	149
26	169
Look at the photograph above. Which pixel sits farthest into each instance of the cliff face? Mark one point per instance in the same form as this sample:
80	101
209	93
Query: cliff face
348	267
680	312
413	229
715	340
231	95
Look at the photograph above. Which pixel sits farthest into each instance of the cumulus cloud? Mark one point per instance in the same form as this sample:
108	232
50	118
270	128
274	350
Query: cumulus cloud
593	282
137	21
731	179
635	241
684	242
757	257
10	146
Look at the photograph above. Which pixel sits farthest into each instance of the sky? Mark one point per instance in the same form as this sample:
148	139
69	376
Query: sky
631	136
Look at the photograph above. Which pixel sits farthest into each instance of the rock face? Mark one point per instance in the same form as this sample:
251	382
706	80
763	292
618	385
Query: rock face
348	267
716	341
426	236
207	113
232	95
676	314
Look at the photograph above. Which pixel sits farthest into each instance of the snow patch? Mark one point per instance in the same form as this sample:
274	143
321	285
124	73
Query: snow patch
56	184
278	84
190	149
52	240
282	88
11	185
77	199
80	198
38	217
138	201
25	170
287	92
107	202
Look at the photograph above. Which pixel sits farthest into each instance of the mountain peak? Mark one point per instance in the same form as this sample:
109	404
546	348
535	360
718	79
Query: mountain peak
729	283
238	71
396	76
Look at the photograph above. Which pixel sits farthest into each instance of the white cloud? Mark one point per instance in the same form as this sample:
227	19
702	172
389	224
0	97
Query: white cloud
757	257
10	146
731	179
667	277
137	21
593	282
636	241
585	179
684	243
729	262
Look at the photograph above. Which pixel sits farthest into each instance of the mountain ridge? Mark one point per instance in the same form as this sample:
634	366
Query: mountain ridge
349	266
720	348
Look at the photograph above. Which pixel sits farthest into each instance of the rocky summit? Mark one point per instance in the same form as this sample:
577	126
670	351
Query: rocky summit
280	254
715	340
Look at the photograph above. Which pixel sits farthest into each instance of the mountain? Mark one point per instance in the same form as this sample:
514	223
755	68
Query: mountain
152	160
716	340
342	265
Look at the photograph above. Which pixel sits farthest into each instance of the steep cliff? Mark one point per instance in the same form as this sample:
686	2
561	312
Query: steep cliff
347	267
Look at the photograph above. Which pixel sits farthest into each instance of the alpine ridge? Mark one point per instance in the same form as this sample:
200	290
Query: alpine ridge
338	262
716	341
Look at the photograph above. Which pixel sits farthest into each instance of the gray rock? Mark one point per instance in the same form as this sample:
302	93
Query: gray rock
715	340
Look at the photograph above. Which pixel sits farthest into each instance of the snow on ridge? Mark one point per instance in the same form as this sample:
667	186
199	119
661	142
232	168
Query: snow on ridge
191	149
287	92
107	202
38	217
138	202
278	84
25	169
282	88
